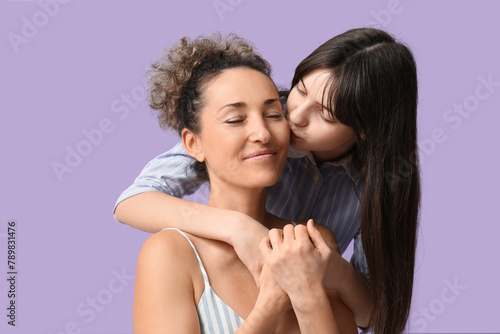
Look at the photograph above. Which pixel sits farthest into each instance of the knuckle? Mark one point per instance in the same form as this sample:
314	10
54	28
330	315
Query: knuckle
301	228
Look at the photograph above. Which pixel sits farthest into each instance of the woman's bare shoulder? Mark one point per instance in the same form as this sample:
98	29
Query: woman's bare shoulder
165	288
168	249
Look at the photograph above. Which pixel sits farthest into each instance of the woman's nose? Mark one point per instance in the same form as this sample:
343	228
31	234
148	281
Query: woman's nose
259	131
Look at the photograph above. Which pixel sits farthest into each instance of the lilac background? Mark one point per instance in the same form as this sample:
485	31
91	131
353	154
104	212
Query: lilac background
76	71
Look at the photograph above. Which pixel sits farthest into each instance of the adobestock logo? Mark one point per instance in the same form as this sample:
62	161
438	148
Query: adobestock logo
30	27
453	117
384	17
97	302
437	306
93	138
224	6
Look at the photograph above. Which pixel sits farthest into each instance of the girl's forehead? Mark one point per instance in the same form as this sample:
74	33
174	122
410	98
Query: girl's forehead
317	77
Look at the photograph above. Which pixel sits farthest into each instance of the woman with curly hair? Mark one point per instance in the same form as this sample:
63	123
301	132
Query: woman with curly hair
352	112
218	95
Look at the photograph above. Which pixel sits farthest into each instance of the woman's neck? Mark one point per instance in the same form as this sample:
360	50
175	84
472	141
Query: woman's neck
251	202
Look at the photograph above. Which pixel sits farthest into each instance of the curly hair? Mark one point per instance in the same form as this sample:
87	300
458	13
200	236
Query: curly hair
178	80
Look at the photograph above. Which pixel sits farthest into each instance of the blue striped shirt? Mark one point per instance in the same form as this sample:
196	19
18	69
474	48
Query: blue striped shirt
330	193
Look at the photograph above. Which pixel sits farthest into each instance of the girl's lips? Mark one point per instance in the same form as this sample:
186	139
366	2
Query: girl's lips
293	135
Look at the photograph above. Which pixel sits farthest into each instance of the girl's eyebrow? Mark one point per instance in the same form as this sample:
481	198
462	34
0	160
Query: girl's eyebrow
303	84
324	107
320	103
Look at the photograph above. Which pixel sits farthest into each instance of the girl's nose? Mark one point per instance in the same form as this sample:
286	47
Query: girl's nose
298	116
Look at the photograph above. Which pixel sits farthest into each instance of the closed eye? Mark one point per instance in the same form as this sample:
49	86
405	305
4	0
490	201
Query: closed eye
234	121
300	91
326	116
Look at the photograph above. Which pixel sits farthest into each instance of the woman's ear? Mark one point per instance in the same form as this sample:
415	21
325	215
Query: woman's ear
192	145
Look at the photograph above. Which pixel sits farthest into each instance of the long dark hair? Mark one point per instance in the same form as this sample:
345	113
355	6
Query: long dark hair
373	89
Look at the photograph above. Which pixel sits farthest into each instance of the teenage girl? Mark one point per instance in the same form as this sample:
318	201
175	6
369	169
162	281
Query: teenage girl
352	112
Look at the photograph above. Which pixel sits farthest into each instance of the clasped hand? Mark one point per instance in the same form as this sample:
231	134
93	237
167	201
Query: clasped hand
297	257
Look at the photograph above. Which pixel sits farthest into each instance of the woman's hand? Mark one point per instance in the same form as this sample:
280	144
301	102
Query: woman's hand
271	292
297	256
271	309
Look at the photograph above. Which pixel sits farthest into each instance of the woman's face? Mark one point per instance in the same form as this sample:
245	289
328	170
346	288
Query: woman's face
311	126
244	135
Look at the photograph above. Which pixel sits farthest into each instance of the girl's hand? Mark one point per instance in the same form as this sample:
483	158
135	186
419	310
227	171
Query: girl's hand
297	256
245	240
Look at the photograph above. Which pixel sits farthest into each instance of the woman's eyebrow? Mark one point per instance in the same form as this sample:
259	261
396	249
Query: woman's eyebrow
239	105
234	105
270	101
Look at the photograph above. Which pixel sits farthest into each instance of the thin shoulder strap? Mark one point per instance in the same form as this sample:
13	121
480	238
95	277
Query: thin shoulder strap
203	271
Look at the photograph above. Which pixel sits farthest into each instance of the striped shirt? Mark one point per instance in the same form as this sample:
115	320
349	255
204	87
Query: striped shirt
215	316
330	193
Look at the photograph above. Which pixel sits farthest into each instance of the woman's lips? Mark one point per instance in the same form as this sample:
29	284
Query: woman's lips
261	155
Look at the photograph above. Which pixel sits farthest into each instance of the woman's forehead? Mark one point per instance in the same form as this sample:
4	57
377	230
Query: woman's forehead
243	83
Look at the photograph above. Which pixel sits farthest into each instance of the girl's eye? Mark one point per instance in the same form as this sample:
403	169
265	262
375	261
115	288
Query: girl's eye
326	116
328	120
300	91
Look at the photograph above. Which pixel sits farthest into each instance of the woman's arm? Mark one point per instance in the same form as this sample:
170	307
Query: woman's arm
298	259
271	311
164	289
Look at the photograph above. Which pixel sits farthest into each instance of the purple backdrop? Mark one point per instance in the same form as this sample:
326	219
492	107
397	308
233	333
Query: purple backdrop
75	131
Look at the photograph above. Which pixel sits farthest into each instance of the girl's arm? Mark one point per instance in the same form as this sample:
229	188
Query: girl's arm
152	203
352	287
232	227
298	258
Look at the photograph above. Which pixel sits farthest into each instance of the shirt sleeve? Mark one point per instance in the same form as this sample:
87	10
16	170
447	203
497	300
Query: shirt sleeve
171	172
358	259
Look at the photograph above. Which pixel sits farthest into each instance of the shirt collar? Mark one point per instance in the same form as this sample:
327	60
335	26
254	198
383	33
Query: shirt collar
346	162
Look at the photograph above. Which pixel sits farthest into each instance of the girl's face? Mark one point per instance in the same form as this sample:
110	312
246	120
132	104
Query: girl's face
244	135
311	126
